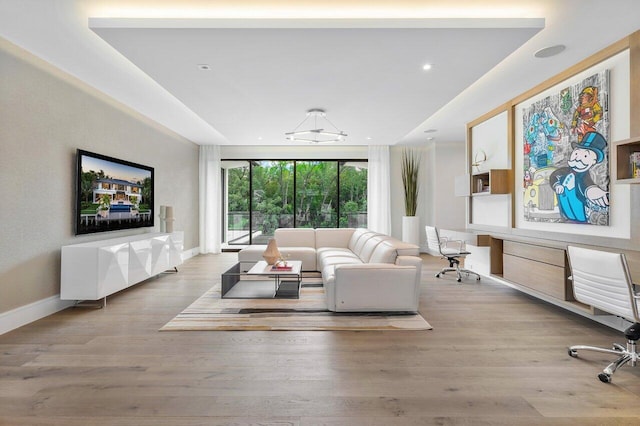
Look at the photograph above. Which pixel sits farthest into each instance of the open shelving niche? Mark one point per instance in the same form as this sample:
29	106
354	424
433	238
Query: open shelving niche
622	161
495	181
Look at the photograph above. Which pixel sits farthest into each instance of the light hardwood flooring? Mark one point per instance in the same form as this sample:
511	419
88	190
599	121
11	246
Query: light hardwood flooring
494	357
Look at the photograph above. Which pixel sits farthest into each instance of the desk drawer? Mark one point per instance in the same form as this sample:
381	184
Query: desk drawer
548	255
539	276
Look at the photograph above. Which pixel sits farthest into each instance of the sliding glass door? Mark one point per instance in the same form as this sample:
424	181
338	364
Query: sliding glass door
316	194
263	195
271	198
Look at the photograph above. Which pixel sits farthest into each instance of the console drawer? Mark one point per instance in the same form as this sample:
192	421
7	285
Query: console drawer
543	277
548	255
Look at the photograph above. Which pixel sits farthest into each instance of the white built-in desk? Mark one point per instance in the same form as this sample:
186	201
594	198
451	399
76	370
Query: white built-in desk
97	269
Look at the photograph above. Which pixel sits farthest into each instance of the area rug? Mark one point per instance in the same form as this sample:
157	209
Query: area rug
309	312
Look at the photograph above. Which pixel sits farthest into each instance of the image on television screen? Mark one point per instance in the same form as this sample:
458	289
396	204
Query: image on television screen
112	194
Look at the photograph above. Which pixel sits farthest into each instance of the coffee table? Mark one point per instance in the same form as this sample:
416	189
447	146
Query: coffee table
286	282
262	282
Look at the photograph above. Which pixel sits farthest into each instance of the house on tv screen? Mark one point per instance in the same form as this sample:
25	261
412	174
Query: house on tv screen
120	191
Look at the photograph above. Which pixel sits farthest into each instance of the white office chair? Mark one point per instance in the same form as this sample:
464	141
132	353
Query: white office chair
601	279
445	247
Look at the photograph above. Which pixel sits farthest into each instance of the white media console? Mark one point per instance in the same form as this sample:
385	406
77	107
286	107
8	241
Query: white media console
95	270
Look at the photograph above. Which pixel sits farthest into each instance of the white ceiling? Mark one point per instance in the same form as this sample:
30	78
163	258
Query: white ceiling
272	61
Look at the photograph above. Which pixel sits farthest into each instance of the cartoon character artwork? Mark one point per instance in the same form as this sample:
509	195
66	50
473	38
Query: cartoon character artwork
565	178
575	189
542	135
565	101
527	180
587	113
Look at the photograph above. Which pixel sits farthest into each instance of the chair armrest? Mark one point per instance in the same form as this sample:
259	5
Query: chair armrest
459	242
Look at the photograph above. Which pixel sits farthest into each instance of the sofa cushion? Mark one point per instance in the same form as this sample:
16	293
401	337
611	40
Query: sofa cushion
306	254
370	246
359	232
325	252
341	260
295	237
357	249
333	237
385	252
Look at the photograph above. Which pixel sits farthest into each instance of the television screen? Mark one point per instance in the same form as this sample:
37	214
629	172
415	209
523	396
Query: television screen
112	194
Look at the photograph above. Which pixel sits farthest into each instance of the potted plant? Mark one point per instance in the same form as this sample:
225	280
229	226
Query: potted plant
410	169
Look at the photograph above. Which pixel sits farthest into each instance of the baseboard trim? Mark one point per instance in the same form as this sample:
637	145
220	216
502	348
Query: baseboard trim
188	254
26	314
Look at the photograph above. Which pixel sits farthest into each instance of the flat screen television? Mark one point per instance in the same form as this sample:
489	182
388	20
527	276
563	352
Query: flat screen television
112	194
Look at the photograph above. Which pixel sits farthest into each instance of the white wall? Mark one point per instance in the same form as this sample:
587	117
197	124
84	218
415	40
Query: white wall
45	115
437	204
491	138
450	161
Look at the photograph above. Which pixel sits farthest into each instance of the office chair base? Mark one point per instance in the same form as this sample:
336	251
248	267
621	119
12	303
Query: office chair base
625	355
459	272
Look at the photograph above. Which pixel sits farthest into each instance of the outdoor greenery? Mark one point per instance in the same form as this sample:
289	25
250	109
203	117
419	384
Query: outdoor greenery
410	169
105	202
316	195
87	180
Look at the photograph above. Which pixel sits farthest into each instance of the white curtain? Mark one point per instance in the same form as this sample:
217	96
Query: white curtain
379	190
210	199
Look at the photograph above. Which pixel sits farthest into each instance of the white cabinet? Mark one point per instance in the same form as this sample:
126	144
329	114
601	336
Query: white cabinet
94	270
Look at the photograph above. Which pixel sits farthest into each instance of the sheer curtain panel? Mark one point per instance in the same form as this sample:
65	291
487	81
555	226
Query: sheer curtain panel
378	190
210	199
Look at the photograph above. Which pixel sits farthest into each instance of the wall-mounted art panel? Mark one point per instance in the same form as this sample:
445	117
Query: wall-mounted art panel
562	146
566	154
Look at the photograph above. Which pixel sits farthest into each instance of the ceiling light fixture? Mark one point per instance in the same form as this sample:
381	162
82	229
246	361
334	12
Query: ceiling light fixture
550	51
319	134
426	67
204	67
430	131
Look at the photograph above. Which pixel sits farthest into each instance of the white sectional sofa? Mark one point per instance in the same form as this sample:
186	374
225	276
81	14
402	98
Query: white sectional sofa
362	271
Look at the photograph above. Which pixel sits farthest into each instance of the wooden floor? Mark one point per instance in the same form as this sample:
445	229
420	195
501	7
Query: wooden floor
494	357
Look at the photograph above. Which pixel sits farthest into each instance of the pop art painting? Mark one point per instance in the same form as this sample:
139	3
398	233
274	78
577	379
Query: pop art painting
566	154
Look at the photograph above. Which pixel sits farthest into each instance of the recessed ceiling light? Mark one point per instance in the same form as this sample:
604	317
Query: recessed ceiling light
204	67
431	130
426	67
368	138
259	138
430	138
550	51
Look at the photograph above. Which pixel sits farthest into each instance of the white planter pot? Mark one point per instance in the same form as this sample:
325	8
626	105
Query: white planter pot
411	229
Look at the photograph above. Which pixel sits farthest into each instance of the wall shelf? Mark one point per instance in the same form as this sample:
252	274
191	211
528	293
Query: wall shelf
622	153
495	181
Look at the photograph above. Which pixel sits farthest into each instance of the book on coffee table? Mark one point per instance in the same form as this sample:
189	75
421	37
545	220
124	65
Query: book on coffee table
281	268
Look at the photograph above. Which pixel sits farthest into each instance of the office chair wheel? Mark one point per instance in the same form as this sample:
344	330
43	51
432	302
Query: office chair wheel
572	354
459	279
604	377
438	275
